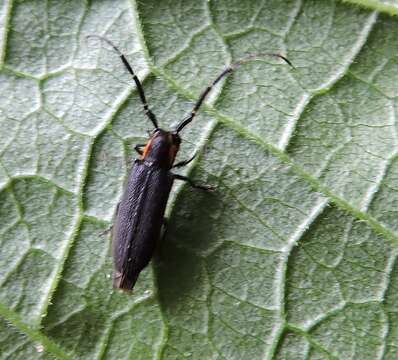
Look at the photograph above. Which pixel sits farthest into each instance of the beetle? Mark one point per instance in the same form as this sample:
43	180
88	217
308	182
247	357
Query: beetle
139	214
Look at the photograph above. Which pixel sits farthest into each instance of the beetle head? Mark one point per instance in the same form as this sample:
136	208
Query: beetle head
162	148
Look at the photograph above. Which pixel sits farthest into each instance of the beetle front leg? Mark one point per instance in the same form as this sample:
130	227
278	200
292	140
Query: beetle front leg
138	148
192	183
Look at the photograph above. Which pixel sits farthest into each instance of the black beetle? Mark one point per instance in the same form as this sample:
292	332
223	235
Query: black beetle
139	214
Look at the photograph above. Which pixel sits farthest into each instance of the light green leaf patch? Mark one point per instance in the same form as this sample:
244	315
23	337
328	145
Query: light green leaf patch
293	256
387	6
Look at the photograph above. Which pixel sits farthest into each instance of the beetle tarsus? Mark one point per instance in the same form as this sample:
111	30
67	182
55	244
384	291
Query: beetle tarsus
192	183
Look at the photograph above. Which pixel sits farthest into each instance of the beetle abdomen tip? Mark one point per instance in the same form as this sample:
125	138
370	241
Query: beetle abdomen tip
123	282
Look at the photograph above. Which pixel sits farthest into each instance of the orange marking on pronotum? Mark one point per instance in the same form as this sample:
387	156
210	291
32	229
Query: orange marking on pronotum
147	148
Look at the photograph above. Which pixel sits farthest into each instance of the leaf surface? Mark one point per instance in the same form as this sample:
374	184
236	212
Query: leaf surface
292	257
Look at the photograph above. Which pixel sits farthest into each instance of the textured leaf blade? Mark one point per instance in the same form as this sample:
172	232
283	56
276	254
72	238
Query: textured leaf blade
293	256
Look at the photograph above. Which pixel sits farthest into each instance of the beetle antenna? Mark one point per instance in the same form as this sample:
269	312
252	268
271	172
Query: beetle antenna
225	72
140	89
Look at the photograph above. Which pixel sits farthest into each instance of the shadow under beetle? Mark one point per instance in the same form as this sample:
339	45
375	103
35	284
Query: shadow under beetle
139	214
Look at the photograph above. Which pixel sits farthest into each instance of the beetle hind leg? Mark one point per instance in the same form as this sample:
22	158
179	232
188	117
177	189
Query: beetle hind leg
192	183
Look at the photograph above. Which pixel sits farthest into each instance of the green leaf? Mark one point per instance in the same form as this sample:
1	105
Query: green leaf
292	257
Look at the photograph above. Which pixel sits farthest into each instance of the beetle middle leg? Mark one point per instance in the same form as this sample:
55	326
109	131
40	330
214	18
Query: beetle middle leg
184	162
192	183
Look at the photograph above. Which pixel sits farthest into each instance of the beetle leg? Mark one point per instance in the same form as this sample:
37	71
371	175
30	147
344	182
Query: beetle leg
106	231
157	253
164	230
192	183
138	148
183	163
110	228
